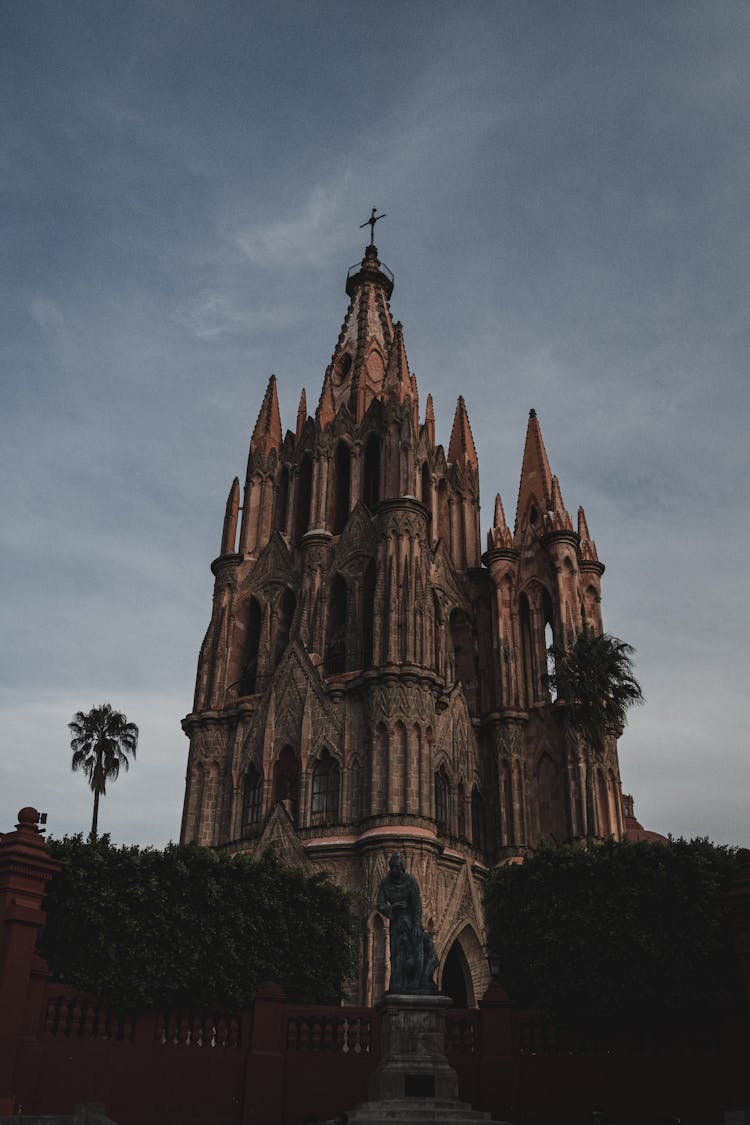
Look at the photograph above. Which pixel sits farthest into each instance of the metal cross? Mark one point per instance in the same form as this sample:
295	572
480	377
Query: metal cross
371	224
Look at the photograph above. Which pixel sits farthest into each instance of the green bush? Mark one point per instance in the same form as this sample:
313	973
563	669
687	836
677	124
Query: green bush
617	931
188	926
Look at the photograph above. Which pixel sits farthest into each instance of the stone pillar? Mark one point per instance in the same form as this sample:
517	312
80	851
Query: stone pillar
498	1079
25	869
264	1069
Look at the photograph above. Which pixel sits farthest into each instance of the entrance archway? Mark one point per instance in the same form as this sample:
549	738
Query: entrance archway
456	981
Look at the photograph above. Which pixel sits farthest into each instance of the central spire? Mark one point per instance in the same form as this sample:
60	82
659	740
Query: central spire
357	372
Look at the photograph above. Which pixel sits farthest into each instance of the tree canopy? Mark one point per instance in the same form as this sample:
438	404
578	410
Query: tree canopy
595	684
617	931
188	926
102	742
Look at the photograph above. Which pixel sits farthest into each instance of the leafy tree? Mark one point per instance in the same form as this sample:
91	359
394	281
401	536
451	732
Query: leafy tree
616	931
102	742
187	926
595	687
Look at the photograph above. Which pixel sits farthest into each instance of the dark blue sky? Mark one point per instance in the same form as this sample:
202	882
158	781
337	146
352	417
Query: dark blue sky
566	189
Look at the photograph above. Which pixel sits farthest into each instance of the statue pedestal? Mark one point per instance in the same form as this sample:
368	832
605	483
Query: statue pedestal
413	1062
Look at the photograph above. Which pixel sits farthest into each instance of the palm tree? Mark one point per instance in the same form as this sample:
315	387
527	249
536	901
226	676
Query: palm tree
595	688
102	741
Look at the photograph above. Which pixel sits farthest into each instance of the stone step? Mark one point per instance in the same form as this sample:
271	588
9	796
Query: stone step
407	1111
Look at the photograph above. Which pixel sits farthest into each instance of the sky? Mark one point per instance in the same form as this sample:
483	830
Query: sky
566	196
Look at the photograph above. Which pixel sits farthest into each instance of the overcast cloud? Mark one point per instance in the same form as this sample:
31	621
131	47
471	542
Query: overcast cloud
566	188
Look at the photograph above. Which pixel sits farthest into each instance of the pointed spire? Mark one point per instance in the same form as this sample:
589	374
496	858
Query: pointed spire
301	414
588	546
229	531
397	381
326	411
415	401
461	449
267	432
500	520
536	478
499	534
429	421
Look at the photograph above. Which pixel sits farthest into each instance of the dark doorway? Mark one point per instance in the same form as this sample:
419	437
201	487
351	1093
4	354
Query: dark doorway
454	976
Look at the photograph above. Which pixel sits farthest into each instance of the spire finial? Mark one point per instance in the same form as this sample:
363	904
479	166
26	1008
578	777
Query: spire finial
371	224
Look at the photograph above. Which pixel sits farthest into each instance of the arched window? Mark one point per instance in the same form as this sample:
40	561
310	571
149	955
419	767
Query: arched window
461	811
426	488
335	655
285	785
524	620
303	499
549	640
325	788
249	663
338	489
441	801
371	473
282	501
253	797
287	607
463	654
478	833
368	612
443	521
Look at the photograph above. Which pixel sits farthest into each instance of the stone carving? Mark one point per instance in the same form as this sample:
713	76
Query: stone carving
413	956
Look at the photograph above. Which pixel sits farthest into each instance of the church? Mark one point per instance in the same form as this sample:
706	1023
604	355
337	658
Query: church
371	681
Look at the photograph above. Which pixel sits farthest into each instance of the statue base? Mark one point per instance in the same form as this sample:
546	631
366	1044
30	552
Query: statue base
414	1082
413	1061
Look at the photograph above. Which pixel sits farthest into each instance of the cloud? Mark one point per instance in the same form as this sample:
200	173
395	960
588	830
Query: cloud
47	315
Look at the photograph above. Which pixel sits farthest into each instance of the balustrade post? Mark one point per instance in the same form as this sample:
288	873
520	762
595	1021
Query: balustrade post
25	868
263	1102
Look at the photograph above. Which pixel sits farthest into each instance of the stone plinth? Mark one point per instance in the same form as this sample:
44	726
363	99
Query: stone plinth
413	1061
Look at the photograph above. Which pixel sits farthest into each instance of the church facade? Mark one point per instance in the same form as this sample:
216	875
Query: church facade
371	681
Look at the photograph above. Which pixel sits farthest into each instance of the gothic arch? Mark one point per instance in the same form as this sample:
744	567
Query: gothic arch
252	797
281	507
378	958
303	498
284	619
285	778
464	972
336	626
248	628
325	801
339	487
550	788
443	518
371	473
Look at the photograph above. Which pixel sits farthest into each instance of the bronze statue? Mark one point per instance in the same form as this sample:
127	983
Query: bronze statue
413	956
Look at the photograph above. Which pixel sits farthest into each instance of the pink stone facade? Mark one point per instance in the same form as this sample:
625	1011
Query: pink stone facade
370	680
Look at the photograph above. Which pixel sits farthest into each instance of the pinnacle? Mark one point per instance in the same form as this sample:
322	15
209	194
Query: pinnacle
429	421
267	432
326	407
301	414
397	380
499	534
499	520
588	546
461	449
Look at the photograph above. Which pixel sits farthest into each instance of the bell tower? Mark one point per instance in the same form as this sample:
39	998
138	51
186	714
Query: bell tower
369	682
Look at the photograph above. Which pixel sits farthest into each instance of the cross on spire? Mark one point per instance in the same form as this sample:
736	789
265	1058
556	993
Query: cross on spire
371	224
